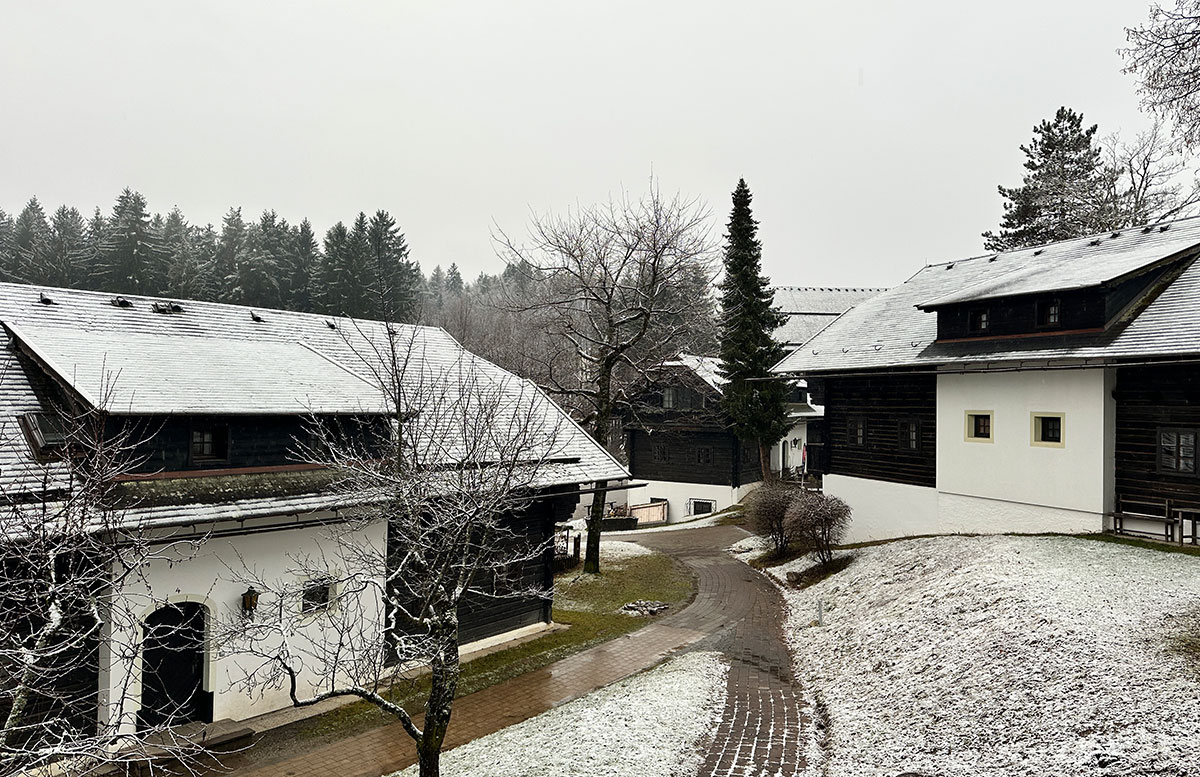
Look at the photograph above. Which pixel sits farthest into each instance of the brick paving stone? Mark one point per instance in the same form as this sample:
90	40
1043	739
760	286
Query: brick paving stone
763	722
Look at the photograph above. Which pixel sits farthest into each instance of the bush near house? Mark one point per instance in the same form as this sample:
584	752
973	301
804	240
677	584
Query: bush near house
796	521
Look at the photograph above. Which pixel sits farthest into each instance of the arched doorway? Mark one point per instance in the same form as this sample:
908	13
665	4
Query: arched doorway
173	667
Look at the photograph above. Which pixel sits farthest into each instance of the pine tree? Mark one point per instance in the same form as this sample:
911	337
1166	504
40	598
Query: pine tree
300	264
131	254
7	250
435	287
454	280
70	256
30	242
230	245
184	276
333	282
748	348
257	266
1064	193
97	228
395	281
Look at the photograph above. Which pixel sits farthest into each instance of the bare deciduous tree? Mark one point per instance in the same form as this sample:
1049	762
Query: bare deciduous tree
1164	54
1147	179
440	491
620	288
69	556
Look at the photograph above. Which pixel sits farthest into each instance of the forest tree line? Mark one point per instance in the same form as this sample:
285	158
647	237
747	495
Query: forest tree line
362	269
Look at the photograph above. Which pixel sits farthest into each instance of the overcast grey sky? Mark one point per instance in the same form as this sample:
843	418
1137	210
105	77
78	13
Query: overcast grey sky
872	134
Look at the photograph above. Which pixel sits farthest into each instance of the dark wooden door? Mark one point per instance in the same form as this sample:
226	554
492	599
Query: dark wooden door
173	667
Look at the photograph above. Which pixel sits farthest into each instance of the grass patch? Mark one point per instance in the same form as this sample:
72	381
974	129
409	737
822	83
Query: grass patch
1162	547
655	577
818	572
734	515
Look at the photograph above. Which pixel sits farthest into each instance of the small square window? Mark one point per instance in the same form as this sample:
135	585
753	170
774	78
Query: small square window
704	455
979	320
1049	313
1047	429
210	443
1177	451
856	432
979	426
316	596
661	453
909	436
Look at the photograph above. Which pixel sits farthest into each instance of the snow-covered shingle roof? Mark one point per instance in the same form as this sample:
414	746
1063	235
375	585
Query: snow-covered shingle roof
890	330
809	309
213	358
1074	264
707	368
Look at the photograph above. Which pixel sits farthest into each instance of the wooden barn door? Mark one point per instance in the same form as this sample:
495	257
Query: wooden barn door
173	667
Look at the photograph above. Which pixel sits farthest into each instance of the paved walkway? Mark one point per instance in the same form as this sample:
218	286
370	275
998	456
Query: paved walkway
762	716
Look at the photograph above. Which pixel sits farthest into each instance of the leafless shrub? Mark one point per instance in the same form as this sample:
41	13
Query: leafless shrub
816	523
767	511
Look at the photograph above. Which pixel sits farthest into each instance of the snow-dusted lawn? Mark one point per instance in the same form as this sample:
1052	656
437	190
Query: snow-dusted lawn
647	725
1031	656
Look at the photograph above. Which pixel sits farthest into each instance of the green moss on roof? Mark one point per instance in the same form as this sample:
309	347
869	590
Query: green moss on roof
218	489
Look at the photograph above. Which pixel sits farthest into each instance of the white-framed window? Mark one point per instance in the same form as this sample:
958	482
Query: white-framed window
979	427
670	396
1048	430
701	506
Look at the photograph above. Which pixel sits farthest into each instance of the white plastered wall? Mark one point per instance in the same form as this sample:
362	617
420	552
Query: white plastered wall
1011	483
209	575
794	442
883	510
1008	484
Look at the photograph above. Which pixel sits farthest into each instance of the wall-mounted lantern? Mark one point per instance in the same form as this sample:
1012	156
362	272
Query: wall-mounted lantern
249	602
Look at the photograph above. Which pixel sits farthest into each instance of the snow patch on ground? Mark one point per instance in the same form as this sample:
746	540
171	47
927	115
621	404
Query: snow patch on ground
751	547
1003	656
614	552
647	725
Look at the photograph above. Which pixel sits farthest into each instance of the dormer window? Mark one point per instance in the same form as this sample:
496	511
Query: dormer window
1049	314
210	444
47	434
978	321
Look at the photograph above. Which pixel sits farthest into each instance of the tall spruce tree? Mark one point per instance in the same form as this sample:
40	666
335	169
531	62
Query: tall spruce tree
131	252
6	242
69	257
748	347
30	242
395	281
1064	192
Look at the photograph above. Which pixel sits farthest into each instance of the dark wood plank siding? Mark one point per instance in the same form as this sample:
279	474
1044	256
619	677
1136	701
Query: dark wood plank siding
483	616
1150	398
682	463
254	441
882	402
1081	309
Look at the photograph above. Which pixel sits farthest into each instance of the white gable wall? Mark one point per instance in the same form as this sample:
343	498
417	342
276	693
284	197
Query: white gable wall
1008	484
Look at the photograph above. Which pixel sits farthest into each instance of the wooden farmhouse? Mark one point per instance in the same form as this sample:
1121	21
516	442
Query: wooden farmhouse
1054	388
807	310
678	441
219	396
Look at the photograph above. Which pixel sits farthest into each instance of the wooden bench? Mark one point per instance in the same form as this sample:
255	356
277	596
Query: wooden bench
1190	515
1156	511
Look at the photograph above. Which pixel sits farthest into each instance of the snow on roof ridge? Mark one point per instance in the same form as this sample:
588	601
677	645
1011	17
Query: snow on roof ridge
1091	236
107	296
832	288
